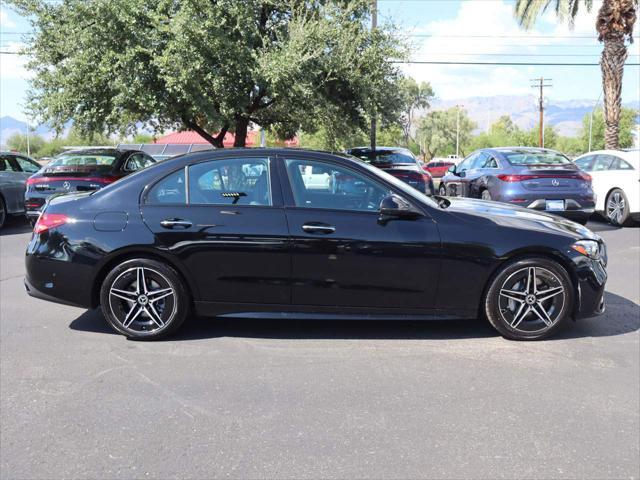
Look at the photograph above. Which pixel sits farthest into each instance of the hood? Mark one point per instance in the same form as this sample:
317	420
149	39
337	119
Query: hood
518	217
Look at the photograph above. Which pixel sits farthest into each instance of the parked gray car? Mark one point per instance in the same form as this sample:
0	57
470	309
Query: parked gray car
14	171
535	178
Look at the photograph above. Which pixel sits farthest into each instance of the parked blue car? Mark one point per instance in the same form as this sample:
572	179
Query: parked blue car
535	178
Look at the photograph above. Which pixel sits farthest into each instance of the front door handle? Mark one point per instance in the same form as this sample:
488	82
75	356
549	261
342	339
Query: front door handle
172	223
318	228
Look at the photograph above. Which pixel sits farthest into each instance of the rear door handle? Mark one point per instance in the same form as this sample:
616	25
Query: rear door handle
172	223
318	228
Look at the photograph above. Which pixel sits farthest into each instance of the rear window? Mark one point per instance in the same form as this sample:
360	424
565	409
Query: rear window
537	158
394	157
82	162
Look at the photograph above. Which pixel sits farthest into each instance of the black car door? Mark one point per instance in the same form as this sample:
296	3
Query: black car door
227	227
455	183
342	255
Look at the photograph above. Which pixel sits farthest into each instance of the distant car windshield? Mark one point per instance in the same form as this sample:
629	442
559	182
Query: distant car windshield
537	158
82	162
394	157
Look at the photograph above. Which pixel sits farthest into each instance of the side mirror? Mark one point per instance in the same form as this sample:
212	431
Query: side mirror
394	207
462	174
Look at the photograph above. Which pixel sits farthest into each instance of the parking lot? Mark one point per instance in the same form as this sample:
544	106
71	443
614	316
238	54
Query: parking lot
287	399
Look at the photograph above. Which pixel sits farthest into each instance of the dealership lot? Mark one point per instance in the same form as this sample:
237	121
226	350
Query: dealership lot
287	399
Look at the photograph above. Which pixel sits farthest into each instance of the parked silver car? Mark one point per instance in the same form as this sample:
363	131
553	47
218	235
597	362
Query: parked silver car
14	171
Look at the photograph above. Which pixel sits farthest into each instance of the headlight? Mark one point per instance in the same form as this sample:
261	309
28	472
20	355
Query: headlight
588	248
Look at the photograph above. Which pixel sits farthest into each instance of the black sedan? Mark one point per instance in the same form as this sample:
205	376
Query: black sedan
81	171
400	163
242	234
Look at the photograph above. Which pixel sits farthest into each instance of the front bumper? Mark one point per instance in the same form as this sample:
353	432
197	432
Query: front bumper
592	278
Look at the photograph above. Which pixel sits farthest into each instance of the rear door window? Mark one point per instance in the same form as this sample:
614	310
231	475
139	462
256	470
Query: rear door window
603	162
26	165
170	190
585	163
7	165
236	181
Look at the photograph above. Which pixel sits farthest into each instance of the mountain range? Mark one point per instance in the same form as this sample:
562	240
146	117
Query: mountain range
566	116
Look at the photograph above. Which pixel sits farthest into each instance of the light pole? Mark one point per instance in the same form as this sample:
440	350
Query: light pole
28	142
458	130
591	119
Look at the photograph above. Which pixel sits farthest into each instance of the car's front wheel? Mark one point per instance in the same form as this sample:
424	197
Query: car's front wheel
3	212
144	299
442	190
529	299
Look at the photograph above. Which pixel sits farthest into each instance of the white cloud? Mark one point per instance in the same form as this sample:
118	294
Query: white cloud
496	20
12	65
5	21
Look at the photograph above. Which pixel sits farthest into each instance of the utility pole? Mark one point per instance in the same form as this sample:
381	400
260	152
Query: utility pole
374	25
539	83
591	119
28	141
458	130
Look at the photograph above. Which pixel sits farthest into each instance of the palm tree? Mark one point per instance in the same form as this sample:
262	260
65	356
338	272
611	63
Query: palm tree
614	25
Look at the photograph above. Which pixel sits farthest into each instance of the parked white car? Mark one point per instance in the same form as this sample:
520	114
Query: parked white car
616	182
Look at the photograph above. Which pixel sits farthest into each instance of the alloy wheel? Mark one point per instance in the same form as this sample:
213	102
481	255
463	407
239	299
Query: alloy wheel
615	207
531	299
486	195
142	300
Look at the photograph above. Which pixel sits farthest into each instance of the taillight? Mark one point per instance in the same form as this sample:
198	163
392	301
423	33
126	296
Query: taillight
512	178
48	221
585	176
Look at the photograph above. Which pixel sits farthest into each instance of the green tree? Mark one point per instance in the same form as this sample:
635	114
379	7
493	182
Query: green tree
19	141
210	66
628	118
437	132
614	25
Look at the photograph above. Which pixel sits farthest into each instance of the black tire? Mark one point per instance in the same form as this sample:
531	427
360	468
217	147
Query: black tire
3	212
616	208
513	308
148	313
442	191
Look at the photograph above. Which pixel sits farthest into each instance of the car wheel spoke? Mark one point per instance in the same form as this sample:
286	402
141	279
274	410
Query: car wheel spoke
531	280
151	311
142	285
549	293
132	315
542	314
127	295
520	314
513	295
159	294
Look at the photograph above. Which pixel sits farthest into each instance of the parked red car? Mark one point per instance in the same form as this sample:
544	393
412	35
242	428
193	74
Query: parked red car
437	168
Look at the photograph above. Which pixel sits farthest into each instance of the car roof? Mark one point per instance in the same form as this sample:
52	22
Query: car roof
117	152
378	148
519	150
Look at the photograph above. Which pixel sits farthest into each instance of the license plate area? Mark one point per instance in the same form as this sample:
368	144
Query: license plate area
554	205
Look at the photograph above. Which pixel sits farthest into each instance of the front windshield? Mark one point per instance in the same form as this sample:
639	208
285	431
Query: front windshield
99	162
392	157
537	158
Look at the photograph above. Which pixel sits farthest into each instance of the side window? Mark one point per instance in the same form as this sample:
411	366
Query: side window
136	162
603	162
585	163
620	164
236	181
467	163
171	189
27	165
323	185
479	161
489	162
6	165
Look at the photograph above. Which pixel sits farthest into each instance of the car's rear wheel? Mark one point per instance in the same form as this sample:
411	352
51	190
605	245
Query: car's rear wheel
3	212
144	299
617	208
486	195
442	190
529	299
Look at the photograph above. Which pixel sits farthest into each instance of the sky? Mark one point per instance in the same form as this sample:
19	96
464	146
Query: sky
439	30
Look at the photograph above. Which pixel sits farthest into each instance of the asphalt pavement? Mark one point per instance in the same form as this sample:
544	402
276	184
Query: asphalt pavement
287	399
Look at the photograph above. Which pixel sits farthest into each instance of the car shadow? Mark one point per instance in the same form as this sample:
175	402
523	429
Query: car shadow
598	223
15	226
622	316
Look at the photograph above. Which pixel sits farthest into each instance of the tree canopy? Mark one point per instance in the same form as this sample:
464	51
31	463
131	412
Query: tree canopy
437	132
210	65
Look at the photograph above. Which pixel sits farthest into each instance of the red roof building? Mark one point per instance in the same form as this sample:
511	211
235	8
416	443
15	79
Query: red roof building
189	137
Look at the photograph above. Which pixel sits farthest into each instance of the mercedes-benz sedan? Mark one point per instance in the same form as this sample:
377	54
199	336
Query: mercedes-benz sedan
242	234
536	178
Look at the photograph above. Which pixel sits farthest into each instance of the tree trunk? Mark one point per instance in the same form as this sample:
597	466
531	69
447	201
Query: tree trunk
242	125
614	55
216	141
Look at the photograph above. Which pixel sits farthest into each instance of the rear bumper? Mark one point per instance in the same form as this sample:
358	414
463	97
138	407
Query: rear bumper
574	208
